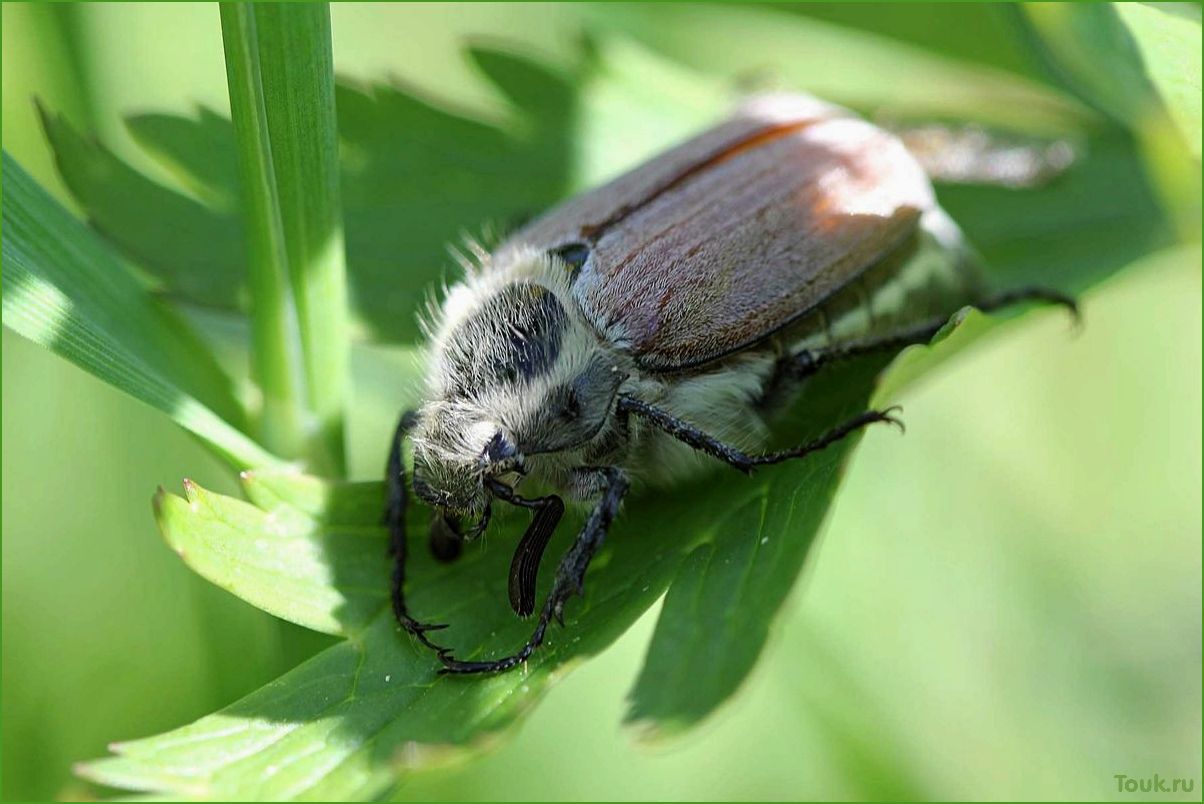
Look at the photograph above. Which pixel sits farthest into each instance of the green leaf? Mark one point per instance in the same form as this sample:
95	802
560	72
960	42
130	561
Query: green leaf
1137	76
415	176
344	724
194	250
1088	50
1170	50
635	104
1094	51
276	555
717	614
198	152
418	177
64	288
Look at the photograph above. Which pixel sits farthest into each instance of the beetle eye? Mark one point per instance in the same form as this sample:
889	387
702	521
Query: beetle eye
573	255
498	449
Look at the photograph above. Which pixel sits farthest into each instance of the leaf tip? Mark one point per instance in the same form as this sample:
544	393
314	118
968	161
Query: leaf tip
160	503
194	495
157	501
87	769
649	730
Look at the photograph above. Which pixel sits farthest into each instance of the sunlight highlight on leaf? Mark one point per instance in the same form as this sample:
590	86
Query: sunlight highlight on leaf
65	290
278	558
36	308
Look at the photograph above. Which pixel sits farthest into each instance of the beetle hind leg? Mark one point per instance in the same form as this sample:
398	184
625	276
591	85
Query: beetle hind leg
801	365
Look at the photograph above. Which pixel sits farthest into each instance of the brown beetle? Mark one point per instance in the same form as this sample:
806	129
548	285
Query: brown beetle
658	316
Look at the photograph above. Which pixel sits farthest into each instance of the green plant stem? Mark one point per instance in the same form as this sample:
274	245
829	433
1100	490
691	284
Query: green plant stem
276	363
281	75
298	92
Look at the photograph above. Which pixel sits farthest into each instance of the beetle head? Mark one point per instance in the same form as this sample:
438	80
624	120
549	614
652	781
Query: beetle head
456	451
517	375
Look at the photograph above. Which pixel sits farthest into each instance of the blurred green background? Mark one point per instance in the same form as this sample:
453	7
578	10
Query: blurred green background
1006	603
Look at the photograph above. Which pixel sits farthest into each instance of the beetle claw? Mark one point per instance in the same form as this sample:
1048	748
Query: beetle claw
888	416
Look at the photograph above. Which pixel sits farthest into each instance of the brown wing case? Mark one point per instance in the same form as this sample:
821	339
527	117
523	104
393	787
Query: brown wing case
731	236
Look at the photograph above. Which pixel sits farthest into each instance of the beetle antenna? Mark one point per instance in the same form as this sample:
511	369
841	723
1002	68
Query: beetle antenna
524	567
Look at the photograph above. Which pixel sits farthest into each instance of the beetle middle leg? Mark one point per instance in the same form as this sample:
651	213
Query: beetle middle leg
570	574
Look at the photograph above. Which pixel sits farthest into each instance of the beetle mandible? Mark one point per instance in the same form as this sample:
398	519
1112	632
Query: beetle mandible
626	327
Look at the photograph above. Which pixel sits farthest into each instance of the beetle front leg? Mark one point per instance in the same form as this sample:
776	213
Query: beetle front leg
395	521
570	574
